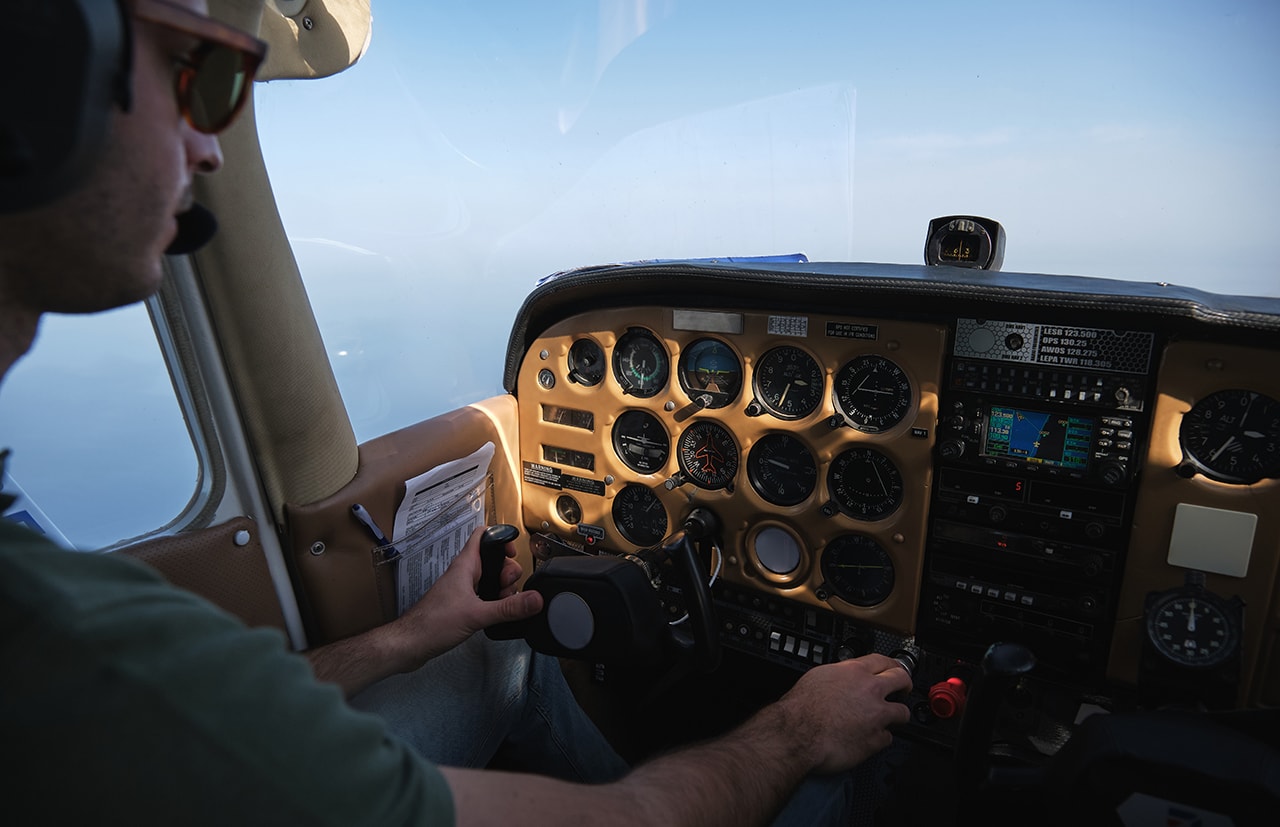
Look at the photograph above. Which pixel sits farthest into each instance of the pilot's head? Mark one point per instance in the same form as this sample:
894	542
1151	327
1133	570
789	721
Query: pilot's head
93	238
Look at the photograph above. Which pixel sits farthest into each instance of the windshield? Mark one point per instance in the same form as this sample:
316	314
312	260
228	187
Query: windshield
478	147
472	151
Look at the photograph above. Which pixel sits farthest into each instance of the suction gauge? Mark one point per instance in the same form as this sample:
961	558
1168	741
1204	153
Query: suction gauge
586	363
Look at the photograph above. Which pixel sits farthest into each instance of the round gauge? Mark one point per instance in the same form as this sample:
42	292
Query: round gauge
1233	436
1192	628
640	363
567	509
708	368
781	469
872	393
641	442
865	484
788	382
639	515
586	363
708	455
857	570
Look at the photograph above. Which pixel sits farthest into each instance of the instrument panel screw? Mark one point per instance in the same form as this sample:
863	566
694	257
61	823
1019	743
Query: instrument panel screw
317	548
308	24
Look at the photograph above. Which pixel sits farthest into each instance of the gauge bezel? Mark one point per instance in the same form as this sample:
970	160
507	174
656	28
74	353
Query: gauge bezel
715	399
720	478
661	374
1200	427
635	414
877	588
1229	646
855	503
861	415
760	476
574	371
633	496
774	402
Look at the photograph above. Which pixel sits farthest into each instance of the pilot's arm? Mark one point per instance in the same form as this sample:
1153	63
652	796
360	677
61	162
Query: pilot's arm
835	717
449	613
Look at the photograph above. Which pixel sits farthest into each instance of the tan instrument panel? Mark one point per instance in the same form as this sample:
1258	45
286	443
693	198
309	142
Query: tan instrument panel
808	436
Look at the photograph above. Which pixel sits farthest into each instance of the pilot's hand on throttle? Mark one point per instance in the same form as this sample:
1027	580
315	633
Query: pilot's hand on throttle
451	611
846	708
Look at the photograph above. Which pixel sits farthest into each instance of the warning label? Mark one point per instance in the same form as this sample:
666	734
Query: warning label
549	476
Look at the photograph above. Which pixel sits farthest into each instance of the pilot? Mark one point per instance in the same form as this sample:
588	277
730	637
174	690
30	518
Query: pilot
125	698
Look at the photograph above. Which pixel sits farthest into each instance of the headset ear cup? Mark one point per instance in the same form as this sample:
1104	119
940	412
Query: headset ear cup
65	63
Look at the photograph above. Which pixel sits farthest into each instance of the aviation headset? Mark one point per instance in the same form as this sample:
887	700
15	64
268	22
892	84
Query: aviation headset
66	65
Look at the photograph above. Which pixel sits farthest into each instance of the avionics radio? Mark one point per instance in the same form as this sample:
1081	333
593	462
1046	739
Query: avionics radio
1038	446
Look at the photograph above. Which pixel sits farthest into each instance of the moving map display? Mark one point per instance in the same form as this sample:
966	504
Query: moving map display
1035	436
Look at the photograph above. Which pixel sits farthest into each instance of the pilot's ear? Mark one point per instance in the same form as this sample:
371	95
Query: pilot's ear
75	56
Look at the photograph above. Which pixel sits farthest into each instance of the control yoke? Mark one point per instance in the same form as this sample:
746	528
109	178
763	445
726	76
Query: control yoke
605	608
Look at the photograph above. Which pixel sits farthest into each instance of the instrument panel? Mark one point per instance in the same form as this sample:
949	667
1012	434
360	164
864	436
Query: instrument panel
954	482
810	437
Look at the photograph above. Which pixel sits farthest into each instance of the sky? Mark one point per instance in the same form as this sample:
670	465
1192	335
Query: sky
478	147
1133	140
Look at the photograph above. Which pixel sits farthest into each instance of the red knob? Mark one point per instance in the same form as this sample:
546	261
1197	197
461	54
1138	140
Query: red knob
946	698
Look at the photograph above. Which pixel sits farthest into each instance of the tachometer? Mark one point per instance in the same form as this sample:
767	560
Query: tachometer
1233	436
871	393
708	455
639	515
857	570
788	382
782	469
640	363
865	484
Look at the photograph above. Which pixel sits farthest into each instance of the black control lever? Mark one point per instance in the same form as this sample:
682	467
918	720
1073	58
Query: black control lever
493	553
1002	666
702	642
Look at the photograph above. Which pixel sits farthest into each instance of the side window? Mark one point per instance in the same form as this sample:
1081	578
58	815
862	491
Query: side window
99	446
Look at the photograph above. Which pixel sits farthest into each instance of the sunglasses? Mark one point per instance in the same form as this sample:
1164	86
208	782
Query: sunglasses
213	80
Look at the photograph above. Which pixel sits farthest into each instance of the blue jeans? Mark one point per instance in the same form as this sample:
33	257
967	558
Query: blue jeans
461	707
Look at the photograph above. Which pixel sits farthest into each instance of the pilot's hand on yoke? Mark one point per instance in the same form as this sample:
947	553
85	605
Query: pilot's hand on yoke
451	611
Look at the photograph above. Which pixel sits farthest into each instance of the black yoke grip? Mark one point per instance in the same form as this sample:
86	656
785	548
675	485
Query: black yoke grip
493	551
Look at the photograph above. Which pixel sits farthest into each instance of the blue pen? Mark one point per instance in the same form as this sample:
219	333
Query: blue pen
363	516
